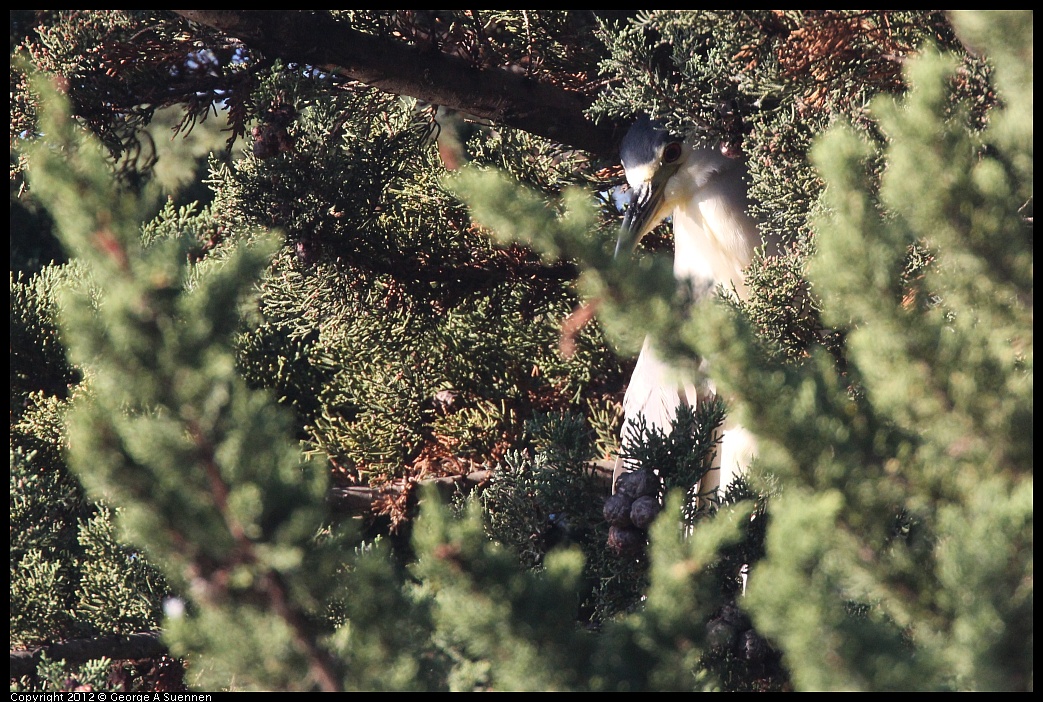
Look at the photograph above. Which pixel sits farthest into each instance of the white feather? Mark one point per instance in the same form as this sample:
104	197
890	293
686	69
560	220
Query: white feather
714	242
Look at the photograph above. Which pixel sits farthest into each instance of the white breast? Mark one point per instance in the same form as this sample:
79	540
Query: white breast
714	239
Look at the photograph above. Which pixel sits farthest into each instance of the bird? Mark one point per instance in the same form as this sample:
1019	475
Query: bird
703	192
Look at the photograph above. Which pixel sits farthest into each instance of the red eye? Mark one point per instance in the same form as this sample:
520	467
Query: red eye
672	152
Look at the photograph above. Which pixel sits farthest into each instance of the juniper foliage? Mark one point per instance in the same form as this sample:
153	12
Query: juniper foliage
190	379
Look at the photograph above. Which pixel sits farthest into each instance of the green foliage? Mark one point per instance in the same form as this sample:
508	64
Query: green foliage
385	633
187	387
491	612
71	575
550	496
167	428
942	423
54	676
38	361
388	300
930	410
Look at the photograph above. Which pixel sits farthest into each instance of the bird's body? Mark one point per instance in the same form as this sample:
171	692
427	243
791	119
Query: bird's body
704	193
719	237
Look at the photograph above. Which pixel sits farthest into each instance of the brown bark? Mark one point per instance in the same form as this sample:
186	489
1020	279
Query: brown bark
496	94
78	651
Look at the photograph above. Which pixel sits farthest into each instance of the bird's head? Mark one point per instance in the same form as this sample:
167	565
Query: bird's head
651	156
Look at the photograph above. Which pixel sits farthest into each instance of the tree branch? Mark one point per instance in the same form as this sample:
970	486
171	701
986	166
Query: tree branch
359	500
78	651
499	95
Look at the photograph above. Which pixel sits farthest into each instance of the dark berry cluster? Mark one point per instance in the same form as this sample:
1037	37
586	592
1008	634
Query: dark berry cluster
631	509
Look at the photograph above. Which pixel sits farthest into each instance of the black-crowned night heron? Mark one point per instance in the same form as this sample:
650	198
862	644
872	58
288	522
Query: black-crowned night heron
704	193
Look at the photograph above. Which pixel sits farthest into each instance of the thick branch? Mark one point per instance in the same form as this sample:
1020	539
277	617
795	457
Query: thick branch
359	500
79	651
499	95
